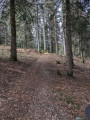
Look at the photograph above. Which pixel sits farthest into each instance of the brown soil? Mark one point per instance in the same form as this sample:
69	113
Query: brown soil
32	89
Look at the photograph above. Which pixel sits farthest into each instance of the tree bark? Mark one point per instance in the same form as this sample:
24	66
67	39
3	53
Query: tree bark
37	31
44	37
68	41
25	36
13	31
5	33
55	30
64	46
64	29
50	39
49	34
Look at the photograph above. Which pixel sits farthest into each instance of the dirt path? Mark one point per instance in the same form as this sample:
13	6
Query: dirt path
31	89
33	98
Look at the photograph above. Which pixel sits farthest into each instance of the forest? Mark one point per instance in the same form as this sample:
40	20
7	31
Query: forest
44	59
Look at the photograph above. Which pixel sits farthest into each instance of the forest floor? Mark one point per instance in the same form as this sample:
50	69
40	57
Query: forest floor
37	87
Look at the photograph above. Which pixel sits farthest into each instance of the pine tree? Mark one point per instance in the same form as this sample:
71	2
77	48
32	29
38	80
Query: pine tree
13	31
68	39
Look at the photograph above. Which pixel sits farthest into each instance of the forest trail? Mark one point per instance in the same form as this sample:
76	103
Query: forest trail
43	101
33	97
32	89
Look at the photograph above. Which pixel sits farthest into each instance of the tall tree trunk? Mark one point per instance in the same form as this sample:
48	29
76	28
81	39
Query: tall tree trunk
55	30
63	23
25	35
82	49
49	33
44	36
52	36
37	30
50	39
5	33
13	31
68	39
64	46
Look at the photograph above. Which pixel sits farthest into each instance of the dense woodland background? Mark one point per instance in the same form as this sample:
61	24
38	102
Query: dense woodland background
59	26
44	59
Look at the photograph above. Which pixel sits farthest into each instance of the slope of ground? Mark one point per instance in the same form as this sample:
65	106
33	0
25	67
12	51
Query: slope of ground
37	88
